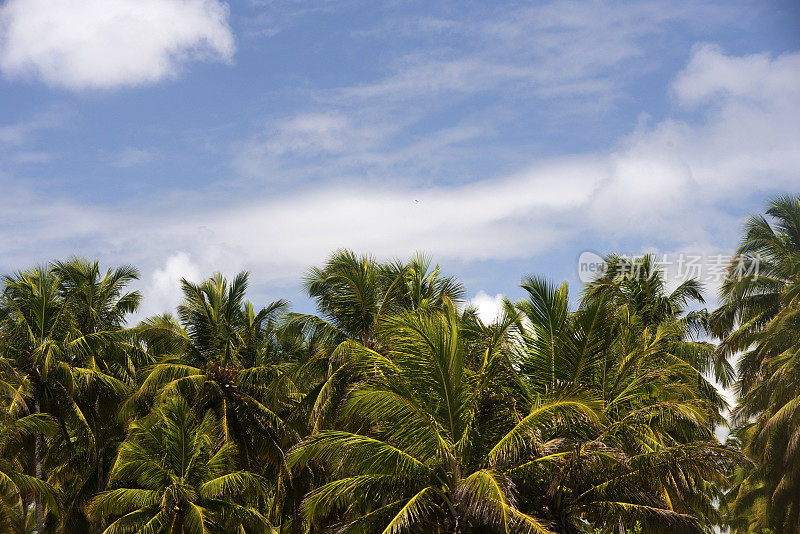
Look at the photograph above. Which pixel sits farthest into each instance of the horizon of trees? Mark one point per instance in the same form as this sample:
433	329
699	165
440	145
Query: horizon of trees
396	409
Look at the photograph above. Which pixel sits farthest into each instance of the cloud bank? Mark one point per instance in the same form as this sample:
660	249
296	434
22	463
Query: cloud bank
672	179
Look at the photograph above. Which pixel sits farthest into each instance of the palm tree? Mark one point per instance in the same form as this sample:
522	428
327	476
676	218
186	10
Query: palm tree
394	409
655	413
46	352
353	295
218	355
437	438
760	318
637	287
348	292
637	290
175	473
98	302
417	284
16	488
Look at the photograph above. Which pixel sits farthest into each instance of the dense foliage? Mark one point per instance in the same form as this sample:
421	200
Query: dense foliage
396	409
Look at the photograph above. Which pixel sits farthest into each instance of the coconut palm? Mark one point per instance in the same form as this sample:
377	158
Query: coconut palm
417	284
47	354
396	409
637	290
348	291
97	302
218	356
636	286
760	317
437	437
654	412
175	473
353	295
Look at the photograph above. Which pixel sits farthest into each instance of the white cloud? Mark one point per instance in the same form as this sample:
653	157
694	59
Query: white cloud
674	174
108	43
488	219
489	308
757	77
281	235
667	181
672	177
163	289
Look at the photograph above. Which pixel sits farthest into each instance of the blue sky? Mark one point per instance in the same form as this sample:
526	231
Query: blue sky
502	138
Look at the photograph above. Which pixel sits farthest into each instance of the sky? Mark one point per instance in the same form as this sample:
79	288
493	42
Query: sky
503	139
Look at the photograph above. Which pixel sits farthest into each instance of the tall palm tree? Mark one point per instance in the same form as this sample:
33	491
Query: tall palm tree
98	302
353	295
760	318
175	473
47	353
436	437
636	286
637	290
417	284
217	356
654	411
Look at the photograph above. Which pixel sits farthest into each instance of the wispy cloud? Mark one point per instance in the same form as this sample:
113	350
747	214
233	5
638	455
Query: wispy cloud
133	157
22	131
33	157
562	47
554	64
271	17
337	145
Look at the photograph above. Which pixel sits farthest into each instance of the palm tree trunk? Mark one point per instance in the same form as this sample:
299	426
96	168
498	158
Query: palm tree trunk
100	523
37	459
23	527
297	523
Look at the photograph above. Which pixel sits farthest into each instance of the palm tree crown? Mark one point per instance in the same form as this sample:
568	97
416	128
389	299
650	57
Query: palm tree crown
174	473
760	317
